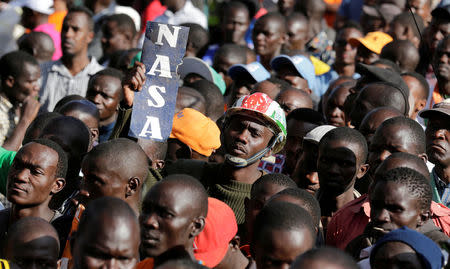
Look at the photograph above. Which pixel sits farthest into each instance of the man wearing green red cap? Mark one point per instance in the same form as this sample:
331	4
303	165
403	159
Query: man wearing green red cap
254	127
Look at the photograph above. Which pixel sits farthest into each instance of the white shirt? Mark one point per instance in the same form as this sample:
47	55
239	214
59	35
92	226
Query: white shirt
187	14
58	82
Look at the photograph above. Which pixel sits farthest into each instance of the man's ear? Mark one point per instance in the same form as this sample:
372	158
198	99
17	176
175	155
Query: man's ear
235	243
159	164
269	153
197	226
424	157
58	185
362	170
9	81
420	104
423	217
132	186
90	36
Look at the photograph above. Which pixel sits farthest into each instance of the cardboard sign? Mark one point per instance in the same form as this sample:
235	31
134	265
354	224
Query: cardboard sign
154	106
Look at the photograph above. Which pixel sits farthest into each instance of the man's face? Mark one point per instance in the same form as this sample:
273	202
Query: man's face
366	56
392	207
75	34
438	140
286	7
222	64
289	74
297	34
290	100
437	30
279	248
235	25
296	130
115	244
345	52
101	179
394	254
166	219
338	166
254	206
334	108
245	136
306	170
27	84
421	8
104	92
389	140
36	251
441	61
241	87
113	39
31	178
267	37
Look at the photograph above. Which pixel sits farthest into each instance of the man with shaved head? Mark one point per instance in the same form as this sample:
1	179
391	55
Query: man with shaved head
88	113
379	94
374	118
293	98
38	44
403	53
107	236
173	214
189	97
33	243
115	168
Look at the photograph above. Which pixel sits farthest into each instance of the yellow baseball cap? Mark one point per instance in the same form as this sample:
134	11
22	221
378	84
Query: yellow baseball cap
196	130
374	41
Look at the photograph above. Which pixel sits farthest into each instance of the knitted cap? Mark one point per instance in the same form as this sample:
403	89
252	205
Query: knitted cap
196	130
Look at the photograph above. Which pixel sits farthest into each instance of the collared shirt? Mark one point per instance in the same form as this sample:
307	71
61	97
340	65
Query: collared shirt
187	14
58	82
442	188
351	220
8	119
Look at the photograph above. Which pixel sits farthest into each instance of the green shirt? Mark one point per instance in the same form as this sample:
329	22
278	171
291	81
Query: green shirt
6	159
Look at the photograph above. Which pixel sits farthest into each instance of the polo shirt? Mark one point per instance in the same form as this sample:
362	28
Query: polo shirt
58	82
351	220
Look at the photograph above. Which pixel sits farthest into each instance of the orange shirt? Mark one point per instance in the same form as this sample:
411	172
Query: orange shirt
146	264
57	19
350	221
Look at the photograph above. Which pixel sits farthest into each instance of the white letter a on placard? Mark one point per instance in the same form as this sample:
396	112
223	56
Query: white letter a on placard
164	63
151	128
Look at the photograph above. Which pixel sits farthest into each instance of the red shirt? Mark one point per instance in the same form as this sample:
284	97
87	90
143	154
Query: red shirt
146	264
350	221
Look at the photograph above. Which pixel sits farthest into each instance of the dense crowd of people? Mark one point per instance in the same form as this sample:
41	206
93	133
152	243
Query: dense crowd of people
307	134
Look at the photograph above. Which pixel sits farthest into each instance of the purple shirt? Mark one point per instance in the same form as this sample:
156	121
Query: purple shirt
49	29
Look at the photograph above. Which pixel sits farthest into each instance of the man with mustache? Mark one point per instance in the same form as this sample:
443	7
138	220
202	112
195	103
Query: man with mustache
173	214
438	149
254	127
71	73
37	173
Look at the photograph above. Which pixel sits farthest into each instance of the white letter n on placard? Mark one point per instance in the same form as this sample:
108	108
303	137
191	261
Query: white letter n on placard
170	37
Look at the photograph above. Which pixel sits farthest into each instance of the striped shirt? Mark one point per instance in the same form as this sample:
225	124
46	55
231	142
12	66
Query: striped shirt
58	82
8	119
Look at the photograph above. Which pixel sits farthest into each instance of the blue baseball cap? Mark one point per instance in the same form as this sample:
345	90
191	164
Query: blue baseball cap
198	66
426	249
301	63
255	70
